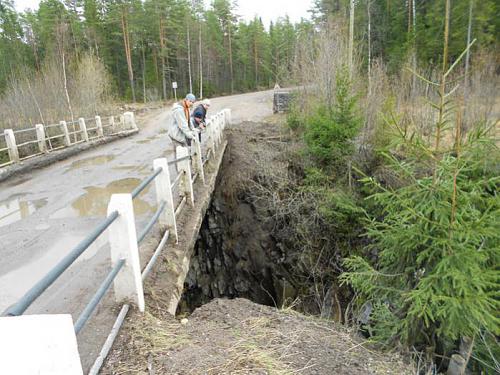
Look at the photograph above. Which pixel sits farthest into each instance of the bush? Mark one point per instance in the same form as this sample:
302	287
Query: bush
330	132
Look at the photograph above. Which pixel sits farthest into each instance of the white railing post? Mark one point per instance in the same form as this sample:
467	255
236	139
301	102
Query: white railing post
98	124
211	141
83	129
39	344
121	120
164	194
66	139
112	123
196	157
10	140
184	167
130	120
219	127
228	116
40	137
123	244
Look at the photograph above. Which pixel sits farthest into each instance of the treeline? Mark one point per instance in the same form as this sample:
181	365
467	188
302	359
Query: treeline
147	45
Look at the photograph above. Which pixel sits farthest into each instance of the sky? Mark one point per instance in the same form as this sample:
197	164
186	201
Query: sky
267	9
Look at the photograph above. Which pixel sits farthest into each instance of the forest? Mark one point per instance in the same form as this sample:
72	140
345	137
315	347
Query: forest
391	202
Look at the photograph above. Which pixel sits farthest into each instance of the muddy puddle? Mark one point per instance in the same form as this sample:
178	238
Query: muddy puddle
147	140
19	280
95	160
16	208
95	201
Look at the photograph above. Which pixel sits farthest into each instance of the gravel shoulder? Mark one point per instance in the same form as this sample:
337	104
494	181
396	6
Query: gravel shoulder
240	337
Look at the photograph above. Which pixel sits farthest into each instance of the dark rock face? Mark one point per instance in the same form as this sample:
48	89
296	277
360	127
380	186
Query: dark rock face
234	257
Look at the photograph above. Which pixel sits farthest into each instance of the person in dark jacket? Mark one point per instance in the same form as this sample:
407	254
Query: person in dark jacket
199	115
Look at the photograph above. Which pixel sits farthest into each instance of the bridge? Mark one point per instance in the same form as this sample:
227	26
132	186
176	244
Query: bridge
69	206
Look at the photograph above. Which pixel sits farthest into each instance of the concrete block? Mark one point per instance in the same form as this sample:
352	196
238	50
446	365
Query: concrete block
197	160
164	194
83	129
186	184
123	244
40	137
10	140
129	119
39	344
64	128
98	124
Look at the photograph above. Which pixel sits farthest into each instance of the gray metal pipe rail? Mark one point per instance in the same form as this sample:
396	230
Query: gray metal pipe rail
179	160
152	222
103	288
145	183
31	295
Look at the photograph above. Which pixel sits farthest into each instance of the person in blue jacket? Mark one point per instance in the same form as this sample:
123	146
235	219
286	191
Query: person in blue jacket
199	116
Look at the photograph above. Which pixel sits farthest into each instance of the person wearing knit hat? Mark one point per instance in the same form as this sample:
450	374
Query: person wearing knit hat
181	130
200	114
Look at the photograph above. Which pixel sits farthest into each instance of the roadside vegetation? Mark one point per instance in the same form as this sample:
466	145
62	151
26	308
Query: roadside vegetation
392	199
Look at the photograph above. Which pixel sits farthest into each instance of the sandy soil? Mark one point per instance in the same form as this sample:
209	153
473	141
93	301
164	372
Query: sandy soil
240	337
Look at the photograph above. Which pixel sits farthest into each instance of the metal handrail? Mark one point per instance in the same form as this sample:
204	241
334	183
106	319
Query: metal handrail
145	183
99	294
177	179
175	161
152	222
24	130
180	206
55	136
31	295
52	126
27	143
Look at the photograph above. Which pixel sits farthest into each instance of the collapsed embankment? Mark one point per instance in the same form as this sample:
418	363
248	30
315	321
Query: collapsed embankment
235	256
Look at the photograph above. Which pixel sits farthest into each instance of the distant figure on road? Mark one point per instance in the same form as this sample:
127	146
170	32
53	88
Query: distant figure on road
181	130
200	114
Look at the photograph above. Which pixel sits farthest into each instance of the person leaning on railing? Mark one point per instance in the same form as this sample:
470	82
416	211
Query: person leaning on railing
198	118
180	129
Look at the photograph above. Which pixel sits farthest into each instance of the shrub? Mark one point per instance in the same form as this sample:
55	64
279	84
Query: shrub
329	132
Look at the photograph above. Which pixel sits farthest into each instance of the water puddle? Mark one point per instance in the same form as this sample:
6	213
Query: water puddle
147	140
95	160
130	167
15	283
16	208
95	201
18	181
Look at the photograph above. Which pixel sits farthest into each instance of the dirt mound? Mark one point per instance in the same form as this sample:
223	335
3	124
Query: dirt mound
241	337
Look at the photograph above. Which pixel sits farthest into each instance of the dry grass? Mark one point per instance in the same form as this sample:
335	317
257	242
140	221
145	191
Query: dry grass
40	98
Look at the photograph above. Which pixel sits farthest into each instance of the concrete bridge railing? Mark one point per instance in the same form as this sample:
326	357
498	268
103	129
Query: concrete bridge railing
23	144
46	344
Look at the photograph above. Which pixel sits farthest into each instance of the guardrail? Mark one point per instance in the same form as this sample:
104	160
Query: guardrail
124	239
23	144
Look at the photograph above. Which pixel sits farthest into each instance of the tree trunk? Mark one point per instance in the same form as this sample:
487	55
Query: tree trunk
351	37
162	58
369	47
189	60
126	42
200	58
442	86
230	57
144	75
467	55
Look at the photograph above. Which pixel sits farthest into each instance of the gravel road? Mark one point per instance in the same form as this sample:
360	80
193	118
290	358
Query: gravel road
45	213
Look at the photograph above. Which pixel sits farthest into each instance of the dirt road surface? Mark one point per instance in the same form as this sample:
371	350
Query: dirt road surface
44	214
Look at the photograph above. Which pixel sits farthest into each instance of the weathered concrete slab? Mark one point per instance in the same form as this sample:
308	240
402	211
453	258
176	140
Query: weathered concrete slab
170	273
39	344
